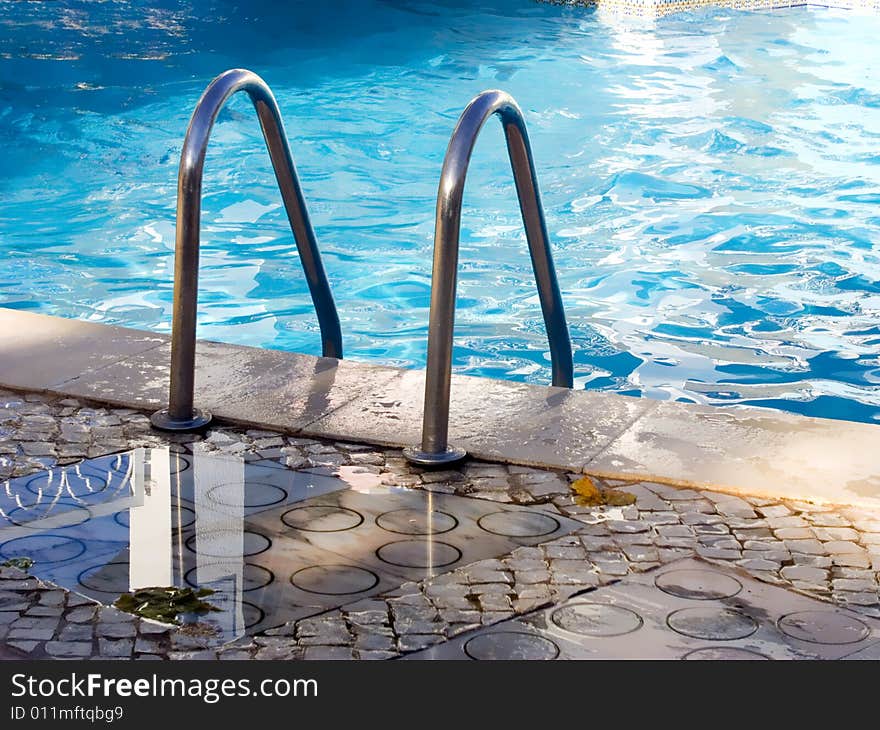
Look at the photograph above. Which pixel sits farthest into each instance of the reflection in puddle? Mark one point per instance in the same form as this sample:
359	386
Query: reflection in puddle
273	544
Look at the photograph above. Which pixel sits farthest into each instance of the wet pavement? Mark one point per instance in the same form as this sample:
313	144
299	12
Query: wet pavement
322	549
273	544
744	450
689	609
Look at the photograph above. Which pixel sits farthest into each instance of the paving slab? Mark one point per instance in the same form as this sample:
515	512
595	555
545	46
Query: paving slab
142	382
412	533
287	580
492	419
38	351
265	487
749	451
247	385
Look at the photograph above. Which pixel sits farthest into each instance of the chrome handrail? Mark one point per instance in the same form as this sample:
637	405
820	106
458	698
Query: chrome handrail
181	415
435	449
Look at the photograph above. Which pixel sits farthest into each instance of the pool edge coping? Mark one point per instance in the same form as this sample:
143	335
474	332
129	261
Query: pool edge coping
740	450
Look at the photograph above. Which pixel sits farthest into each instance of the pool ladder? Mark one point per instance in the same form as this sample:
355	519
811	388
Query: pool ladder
434	450
181	415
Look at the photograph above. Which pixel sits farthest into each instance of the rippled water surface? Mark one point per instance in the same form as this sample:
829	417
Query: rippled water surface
711	184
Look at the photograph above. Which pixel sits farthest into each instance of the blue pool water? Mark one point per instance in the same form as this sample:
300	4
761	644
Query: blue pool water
711	184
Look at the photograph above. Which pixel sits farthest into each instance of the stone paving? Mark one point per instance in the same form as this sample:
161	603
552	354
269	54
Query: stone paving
828	553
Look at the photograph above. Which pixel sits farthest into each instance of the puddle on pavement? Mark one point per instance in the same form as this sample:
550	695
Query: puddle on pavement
690	610
273	544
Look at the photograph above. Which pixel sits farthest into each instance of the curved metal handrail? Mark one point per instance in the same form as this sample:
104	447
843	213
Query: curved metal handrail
435	449
180	414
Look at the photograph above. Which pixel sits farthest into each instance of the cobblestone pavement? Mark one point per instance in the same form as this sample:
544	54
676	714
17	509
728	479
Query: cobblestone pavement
825	552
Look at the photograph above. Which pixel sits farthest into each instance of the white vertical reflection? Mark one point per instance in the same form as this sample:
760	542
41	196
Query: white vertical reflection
150	531
219	505
430	533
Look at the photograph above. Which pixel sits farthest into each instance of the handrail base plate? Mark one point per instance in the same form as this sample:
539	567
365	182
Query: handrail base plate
164	421
452	455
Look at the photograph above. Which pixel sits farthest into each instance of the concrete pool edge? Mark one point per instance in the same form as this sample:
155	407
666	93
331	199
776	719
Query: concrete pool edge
740	450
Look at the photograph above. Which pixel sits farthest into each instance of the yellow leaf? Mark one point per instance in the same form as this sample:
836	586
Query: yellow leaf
588	494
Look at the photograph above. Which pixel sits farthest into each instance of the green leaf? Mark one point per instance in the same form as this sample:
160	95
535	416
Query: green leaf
165	604
21	563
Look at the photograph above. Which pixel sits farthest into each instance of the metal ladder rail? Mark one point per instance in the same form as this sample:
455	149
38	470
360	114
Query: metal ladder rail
181	415
435	449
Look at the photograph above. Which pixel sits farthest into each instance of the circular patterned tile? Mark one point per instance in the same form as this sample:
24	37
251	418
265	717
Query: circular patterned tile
178	463
256	494
109	578
253	576
416	522
228	543
182	490
181	518
699	585
725	653
823	627
62	514
67	483
711	623
518	524
510	645
596	619
43	549
252	613
418	553
116	465
322	518
334	580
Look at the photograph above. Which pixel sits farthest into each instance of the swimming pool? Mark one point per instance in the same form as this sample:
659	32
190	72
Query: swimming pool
710	181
